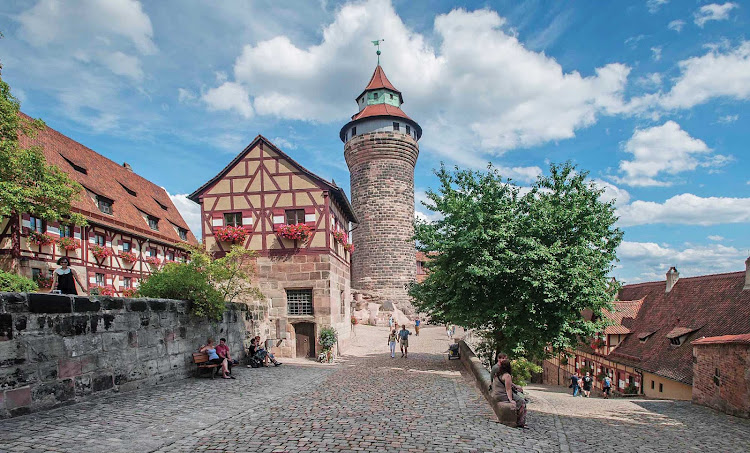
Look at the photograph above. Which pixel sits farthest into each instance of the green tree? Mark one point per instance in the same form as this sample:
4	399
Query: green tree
16	283
520	267
27	183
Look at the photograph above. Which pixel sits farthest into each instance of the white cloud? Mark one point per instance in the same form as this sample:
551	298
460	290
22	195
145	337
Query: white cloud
712	75
422	213
715	238
494	94
714	11
283	143
726	119
190	212
611	192
650	261
658	150
652	80
125	65
656	53
654	5
676	25
229	96
686	209
185	96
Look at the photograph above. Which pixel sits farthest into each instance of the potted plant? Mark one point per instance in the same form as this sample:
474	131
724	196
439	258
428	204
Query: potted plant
129	257
40	239
232	234
327	339
297	232
153	261
68	244
100	253
349	247
340	236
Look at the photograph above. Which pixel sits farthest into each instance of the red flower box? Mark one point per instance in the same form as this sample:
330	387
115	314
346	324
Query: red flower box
68	244
153	261
349	247
44	282
100	252
233	234
129	292
40	239
129	257
101	291
297	232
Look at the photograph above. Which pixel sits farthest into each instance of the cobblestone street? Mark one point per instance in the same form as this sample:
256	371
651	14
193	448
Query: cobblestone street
368	402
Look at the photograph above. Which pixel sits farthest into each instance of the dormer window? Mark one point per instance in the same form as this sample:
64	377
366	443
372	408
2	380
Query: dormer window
391	97
675	341
75	166
183	233
160	204
153	223
105	204
129	190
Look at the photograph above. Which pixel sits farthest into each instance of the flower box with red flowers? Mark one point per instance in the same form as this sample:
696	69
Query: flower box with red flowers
68	244
101	291
100	252
40	239
233	234
297	232
129	292
153	261
341	237
349	247
129	257
44	282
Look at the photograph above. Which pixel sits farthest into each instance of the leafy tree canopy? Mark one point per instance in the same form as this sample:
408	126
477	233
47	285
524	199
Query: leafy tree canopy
519	265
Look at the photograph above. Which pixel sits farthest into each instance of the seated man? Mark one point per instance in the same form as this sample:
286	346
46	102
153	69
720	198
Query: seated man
222	350
263	354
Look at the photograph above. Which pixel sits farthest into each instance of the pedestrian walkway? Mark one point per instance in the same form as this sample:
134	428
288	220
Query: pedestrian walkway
367	402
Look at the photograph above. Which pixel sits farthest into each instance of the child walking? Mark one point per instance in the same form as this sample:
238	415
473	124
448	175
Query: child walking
392	343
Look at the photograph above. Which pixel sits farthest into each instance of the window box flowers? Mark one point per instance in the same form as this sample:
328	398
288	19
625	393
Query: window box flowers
129	292
349	247
233	234
40	239
100	253
340	237
153	261
44	282
129	257
68	244
101	291
297	232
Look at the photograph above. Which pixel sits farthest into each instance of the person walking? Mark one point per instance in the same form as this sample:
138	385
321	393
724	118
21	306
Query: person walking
587	381
403	335
417	322
390	322
392	342
64	278
607	386
448	331
574	383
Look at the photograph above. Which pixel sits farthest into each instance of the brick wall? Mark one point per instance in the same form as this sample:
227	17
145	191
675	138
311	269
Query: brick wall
381	165
57	350
729	390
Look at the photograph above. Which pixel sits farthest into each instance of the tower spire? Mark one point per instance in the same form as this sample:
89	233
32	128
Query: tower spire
376	43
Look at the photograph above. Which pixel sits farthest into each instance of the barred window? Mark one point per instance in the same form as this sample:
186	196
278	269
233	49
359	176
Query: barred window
299	302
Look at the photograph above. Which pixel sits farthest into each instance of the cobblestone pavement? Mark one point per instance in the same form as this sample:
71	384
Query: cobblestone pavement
368	402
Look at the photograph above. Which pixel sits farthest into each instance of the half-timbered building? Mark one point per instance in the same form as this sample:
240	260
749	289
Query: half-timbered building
133	226
305	281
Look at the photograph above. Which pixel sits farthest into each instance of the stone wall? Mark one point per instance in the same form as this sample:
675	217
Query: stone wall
721	377
57	350
381	165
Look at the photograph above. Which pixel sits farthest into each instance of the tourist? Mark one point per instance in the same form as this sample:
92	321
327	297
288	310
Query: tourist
390	321
64	278
496	367
607	386
503	390
222	350
453	331
416	326
403	335
265	355
448	331
587	381
213	358
392	342
574	383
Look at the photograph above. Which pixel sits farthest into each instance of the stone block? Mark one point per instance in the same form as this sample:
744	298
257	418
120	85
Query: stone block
83	345
46	348
114	341
85	304
50	303
17	398
52	393
91	363
137	305
83	385
158	305
47	371
14	302
67	368
101	382
112	303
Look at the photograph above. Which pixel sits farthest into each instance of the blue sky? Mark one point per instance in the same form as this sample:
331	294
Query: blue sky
649	96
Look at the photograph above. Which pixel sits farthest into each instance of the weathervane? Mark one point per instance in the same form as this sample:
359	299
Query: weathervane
377	44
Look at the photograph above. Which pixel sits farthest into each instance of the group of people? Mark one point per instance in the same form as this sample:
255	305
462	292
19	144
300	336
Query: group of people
219	354
581	385
402	336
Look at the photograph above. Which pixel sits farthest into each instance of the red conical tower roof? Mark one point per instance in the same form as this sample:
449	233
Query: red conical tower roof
379	80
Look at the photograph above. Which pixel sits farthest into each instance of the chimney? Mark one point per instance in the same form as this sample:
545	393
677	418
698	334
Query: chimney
747	275
127	166
672	277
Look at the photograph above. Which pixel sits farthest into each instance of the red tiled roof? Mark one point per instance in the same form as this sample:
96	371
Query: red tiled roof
110	179
379	80
380	110
724	339
622	310
616	330
677	332
716	304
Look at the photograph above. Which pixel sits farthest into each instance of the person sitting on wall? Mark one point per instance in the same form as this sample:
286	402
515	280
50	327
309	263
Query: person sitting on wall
263	354
213	358
222	350
502	390
64	278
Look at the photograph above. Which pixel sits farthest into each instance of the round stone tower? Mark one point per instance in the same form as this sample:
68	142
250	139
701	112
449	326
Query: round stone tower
381	151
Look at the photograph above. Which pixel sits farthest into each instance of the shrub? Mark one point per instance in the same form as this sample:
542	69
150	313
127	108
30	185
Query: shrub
16	283
354	321
327	340
522	370
185	281
631	389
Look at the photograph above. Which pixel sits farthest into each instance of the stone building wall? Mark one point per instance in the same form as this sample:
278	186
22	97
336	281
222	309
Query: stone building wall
57	350
721	377
381	165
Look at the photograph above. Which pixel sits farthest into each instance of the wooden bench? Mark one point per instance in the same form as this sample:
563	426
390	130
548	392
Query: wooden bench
201	359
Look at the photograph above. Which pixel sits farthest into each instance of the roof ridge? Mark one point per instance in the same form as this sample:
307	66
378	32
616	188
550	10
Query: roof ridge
707	276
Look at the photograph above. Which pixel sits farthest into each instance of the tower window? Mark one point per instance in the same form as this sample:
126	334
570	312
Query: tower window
391	96
354	131
395	126
374	95
408	130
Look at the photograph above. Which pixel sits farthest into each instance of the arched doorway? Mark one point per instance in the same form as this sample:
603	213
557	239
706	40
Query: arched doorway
305	339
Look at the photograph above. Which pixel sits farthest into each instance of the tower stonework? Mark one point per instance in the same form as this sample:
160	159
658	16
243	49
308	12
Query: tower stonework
381	152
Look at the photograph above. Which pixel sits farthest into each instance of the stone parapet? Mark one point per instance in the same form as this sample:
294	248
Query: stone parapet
721	376
57	350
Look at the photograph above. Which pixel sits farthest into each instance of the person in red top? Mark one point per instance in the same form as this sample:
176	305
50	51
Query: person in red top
222	350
